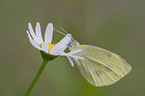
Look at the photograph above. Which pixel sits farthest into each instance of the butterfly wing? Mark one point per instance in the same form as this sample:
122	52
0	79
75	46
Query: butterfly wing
101	67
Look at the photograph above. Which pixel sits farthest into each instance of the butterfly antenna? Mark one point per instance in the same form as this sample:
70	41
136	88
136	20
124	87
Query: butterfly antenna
59	32
62	29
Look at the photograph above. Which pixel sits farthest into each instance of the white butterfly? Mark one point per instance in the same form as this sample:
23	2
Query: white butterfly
99	66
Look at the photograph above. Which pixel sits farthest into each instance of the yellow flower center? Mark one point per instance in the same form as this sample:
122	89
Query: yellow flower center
50	46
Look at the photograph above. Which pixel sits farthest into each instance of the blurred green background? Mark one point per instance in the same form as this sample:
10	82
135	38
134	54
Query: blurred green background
115	25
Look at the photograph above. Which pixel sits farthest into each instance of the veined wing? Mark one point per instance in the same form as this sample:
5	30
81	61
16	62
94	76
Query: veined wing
101	67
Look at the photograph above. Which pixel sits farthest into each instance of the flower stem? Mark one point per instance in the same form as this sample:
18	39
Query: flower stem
36	77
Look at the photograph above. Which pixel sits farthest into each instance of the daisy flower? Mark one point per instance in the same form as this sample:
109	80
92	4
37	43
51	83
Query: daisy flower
48	50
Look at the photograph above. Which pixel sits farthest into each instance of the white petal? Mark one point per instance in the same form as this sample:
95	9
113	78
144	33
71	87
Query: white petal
76	51
38	33
77	61
49	33
74	56
63	54
61	46
70	55
33	42
57	49
45	47
71	62
32	33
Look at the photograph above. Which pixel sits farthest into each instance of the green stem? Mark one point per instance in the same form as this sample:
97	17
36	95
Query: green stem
36	77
